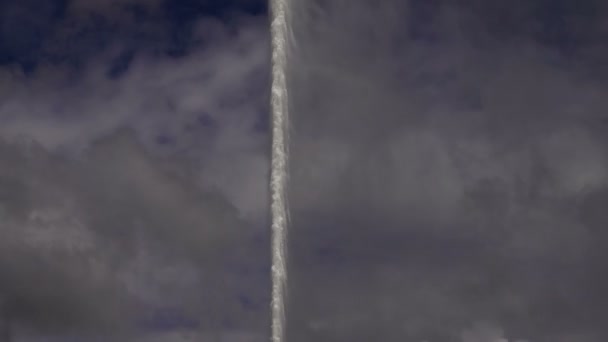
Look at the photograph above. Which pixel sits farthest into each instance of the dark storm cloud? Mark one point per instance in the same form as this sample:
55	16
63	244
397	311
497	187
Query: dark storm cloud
206	106
447	169
133	181
89	245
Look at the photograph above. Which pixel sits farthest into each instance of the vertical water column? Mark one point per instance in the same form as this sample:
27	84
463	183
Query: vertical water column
278	177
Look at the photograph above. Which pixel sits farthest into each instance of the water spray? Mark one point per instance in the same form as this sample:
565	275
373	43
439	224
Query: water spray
278	173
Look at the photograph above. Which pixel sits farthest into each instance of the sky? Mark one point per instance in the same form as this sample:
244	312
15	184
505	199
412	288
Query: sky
133	189
448	171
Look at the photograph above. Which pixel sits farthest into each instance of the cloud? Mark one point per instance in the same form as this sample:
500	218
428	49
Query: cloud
484	332
443	170
220	336
126	195
207	104
113	227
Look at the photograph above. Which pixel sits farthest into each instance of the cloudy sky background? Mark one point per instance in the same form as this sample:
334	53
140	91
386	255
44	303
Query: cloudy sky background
448	171
134	153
